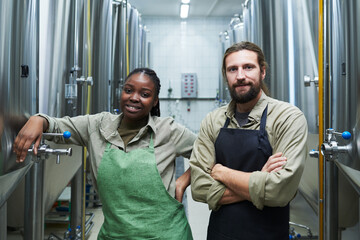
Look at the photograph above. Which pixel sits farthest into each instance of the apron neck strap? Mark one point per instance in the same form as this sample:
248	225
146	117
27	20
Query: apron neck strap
151	144
263	120
227	122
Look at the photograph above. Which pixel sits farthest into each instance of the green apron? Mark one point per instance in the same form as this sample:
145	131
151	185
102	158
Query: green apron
136	204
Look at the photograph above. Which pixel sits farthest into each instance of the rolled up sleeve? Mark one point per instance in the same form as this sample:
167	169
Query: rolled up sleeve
203	187
77	126
279	188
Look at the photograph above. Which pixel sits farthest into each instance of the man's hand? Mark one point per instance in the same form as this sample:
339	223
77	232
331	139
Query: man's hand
218	172
275	163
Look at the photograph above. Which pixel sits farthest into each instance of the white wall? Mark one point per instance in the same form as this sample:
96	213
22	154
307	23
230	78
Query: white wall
190	46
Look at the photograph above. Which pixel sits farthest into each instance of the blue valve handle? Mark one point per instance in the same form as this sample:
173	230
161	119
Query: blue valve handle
66	134
346	135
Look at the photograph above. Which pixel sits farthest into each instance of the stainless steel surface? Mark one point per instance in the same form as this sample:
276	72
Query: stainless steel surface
3	221
18	46
56	55
34	204
18	83
11	180
134	37
129	46
76	197
343	70
101	38
224	96
19	94
119	65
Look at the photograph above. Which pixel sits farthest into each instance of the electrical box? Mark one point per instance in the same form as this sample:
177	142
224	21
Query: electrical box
189	87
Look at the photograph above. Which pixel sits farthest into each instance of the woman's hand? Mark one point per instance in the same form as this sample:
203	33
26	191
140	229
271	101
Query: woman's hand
181	184
275	163
30	133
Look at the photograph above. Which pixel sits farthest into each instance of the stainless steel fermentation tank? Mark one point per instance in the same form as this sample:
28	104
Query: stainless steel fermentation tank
59	58
129	51
288	33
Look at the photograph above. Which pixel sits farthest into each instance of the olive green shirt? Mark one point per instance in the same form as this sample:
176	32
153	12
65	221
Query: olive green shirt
95	131
286	127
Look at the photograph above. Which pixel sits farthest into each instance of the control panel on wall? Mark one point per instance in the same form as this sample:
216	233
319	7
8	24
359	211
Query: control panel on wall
189	85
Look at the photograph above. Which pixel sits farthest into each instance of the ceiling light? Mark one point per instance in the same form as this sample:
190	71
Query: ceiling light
185	1
184	10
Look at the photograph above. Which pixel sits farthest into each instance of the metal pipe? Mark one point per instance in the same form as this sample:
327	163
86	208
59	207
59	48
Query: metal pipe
3	221
76	38
331	201
76	194
34	207
88	230
331	175
92	215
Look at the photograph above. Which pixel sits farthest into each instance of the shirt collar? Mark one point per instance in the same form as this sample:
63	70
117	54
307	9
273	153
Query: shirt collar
109	126
256	112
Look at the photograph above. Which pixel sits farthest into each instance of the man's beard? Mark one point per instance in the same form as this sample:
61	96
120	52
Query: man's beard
245	97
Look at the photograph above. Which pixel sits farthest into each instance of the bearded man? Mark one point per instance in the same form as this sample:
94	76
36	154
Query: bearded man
249	156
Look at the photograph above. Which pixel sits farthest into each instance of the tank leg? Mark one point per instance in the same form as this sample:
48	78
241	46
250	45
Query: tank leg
34	207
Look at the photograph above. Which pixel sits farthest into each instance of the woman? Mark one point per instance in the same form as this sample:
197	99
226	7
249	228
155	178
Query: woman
133	159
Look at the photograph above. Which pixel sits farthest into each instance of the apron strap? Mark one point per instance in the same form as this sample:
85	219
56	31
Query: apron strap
263	121
263	139
226	122
151	144
108	145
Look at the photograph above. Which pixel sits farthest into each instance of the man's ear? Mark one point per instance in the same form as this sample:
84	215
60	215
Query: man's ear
263	73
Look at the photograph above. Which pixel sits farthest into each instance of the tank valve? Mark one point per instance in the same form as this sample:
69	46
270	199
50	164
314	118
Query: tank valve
44	149
330	148
307	81
314	153
82	79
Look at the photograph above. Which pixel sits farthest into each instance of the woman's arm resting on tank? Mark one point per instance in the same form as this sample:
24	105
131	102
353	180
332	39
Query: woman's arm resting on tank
30	133
237	182
181	184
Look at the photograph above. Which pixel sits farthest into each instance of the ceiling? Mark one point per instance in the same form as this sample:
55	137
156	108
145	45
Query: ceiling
198	8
